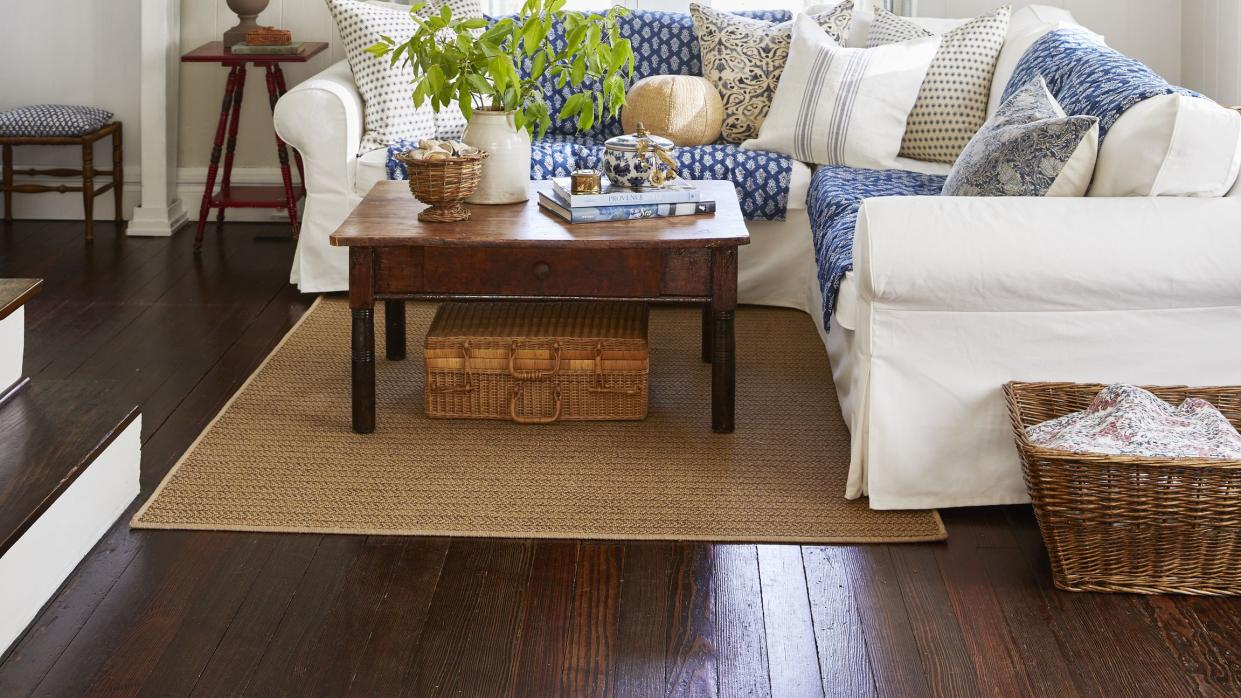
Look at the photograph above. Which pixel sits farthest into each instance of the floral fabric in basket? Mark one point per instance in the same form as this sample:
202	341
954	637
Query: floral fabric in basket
1127	420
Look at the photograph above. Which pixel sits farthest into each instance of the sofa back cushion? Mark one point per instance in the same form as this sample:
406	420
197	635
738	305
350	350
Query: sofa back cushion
1177	144
664	43
952	104
1088	77
745	57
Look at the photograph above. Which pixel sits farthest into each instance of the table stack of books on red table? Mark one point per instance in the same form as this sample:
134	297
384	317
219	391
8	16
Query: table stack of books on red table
614	203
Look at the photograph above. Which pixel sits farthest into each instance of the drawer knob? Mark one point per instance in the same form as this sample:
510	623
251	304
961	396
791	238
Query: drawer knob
542	270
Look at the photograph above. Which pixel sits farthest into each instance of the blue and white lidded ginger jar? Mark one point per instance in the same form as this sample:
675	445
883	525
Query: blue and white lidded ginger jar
639	160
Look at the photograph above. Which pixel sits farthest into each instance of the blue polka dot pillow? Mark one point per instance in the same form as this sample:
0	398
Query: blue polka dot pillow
52	120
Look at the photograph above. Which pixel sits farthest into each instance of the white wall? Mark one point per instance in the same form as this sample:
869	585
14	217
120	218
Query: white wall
78	52
1211	48
202	84
1149	30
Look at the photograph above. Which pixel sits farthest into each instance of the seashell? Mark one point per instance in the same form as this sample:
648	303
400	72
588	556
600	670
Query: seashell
437	155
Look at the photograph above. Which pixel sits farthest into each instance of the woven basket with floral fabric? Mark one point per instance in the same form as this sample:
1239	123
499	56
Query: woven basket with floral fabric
1126	523
444	184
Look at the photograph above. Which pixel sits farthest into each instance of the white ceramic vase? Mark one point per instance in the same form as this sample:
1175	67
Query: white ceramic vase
506	171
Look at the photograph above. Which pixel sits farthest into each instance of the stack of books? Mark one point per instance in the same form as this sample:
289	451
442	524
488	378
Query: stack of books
613	203
269	50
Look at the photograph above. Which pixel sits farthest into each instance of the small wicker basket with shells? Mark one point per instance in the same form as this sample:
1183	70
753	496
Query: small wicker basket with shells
442	174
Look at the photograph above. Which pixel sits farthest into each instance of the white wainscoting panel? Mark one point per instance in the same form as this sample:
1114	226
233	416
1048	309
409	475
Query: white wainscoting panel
1149	30
202	84
1211	50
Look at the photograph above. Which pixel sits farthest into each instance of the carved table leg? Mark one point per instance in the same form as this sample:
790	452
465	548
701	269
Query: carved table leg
362	303
216	151
118	179
274	77
8	183
723	341
88	188
394	329
708	329
226	183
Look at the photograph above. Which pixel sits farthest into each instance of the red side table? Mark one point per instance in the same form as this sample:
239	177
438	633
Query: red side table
285	196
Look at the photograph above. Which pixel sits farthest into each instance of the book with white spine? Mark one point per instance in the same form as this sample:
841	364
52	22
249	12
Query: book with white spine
626	212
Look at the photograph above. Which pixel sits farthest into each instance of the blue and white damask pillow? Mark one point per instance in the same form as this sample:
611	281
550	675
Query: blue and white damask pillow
1029	147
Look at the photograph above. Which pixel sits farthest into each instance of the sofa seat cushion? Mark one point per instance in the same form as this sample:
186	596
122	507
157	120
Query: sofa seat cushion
764	180
836	194
1088	77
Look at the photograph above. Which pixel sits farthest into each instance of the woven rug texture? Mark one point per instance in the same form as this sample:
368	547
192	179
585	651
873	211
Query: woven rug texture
281	456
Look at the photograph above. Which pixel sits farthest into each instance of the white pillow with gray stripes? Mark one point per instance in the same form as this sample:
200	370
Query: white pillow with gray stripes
843	106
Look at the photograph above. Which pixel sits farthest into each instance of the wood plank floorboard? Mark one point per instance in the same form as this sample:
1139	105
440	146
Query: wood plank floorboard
175	613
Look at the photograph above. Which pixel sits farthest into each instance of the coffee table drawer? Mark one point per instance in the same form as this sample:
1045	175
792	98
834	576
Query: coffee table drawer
610	273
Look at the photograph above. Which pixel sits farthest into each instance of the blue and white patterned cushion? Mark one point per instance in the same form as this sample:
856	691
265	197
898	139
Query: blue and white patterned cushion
1027	148
664	43
836	193
762	179
46	120
1089	78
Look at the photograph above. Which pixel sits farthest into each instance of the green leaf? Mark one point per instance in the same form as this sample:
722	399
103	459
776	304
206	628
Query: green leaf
578	72
446	13
499	76
539	65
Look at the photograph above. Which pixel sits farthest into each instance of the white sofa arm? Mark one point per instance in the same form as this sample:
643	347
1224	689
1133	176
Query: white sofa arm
1048	254
322	119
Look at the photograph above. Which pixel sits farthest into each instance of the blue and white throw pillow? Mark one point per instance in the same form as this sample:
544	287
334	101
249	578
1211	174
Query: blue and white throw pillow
50	120
1029	147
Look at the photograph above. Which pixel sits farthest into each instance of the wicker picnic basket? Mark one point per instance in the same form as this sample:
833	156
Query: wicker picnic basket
537	363
1131	524
444	184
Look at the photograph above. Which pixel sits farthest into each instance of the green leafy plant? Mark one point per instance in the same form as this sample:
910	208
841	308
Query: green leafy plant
478	64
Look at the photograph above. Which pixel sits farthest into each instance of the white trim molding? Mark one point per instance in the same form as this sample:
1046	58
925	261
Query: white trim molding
161	212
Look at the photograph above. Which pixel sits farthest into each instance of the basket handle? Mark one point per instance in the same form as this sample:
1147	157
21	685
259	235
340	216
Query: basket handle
468	387
598	386
517	419
534	374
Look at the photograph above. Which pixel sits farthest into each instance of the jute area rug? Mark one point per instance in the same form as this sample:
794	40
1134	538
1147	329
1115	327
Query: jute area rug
281	455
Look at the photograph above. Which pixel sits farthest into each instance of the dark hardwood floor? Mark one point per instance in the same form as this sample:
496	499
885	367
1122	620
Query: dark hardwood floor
217	614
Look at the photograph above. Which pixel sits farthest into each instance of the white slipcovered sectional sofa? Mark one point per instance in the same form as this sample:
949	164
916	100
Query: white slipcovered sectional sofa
949	297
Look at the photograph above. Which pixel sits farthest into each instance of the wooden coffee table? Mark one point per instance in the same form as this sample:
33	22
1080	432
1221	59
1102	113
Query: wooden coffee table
520	252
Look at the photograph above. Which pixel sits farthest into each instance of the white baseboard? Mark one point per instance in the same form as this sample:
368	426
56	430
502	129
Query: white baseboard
190	182
33	569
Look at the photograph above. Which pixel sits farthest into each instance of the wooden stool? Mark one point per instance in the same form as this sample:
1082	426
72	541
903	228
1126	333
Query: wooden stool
88	172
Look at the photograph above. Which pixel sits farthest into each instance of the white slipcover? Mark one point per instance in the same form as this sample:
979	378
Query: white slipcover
322	118
983	291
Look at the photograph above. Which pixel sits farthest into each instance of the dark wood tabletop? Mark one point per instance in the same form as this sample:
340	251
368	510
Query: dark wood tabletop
15	292
388	217
214	52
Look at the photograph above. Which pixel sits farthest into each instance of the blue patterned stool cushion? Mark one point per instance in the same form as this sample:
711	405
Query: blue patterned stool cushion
762	179
45	120
1089	78
836	193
